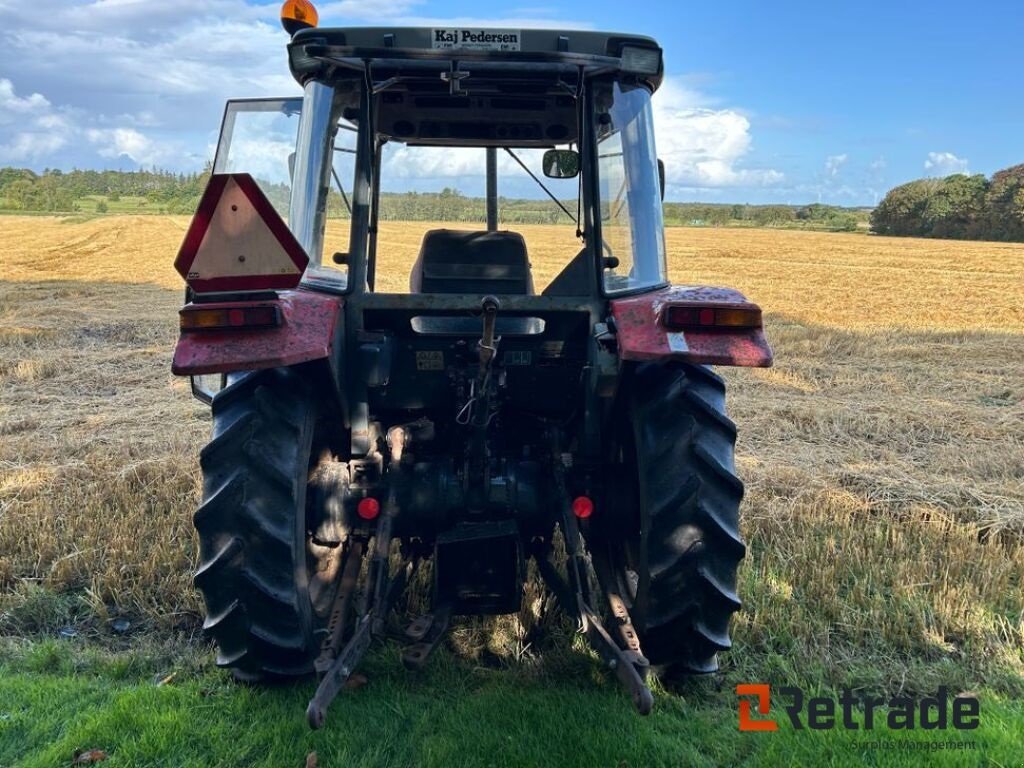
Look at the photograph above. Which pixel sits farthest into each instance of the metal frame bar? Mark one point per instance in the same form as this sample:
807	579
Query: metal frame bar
352	56
492	189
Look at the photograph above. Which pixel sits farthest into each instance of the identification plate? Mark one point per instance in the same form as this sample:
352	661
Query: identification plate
430	361
476	39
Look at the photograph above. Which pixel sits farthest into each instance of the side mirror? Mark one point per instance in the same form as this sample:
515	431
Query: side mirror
561	164
661	177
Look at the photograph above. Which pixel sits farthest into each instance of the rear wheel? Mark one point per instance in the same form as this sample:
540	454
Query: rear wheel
673	542
257	562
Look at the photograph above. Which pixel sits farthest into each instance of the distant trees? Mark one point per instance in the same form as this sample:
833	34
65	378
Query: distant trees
821	217
959	207
166	192
23	190
773	215
53	190
1004	205
829	217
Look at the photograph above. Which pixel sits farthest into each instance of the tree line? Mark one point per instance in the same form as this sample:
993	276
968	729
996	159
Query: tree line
55	191
959	206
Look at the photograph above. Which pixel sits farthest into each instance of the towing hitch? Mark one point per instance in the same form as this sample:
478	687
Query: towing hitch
462	590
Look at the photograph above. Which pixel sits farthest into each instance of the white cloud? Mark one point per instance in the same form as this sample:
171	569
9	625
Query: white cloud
944	164
835	163
26	146
431	169
330	13
537	21
30	128
14	108
404	162
128	142
265	157
704	147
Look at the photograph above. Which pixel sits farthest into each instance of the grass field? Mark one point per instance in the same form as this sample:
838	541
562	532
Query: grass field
884	462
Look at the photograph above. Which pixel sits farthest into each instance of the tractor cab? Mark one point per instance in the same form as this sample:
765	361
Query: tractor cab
432	295
488	132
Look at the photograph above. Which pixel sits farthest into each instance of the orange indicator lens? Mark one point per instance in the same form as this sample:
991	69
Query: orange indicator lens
298	14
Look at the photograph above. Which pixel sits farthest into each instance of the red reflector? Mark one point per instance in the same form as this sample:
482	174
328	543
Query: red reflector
200	318
582	507
682	316
368	508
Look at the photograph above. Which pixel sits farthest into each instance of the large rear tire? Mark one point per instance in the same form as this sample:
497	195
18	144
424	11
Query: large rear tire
255	556
673	543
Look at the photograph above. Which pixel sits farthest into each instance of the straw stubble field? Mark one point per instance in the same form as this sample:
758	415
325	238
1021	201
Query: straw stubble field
883	454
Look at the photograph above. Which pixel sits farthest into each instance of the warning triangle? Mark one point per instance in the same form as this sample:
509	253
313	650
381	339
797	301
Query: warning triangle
238	242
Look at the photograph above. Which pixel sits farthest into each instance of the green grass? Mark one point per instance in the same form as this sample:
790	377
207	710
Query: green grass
59	696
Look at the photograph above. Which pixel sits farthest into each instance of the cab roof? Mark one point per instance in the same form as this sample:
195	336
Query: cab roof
320	53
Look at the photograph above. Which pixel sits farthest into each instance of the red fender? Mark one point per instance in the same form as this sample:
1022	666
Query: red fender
308	331
641	336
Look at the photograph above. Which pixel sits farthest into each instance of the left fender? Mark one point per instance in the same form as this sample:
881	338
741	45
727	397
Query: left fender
311	323
641	335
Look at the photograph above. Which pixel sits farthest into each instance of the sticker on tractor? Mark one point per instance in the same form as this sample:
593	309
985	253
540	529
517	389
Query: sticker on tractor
476	39
677	342
238	242
430	361
518	357
552	349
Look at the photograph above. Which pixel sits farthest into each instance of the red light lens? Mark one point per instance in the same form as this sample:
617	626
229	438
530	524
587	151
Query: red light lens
200	318
368	508
696	317
582	507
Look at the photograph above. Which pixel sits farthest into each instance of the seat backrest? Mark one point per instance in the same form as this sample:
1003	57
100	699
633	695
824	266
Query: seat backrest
455	261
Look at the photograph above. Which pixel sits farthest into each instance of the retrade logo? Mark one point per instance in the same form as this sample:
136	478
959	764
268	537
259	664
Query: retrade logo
822	713
763	694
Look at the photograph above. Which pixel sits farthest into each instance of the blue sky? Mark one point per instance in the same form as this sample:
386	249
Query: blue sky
783	101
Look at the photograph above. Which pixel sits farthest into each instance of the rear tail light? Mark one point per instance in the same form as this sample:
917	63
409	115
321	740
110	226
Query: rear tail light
199	318
582	507
368	508
680	317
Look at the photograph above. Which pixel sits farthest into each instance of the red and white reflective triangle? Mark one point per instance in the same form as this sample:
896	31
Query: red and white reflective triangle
238	242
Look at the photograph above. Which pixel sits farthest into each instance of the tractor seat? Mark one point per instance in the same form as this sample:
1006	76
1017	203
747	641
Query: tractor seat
456	261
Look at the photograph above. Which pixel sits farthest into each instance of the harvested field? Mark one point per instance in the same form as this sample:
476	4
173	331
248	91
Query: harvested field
883	454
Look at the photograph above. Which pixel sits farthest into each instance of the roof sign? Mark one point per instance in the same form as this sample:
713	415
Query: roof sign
238	242
475	39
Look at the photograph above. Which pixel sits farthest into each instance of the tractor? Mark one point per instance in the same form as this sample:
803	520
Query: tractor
387	398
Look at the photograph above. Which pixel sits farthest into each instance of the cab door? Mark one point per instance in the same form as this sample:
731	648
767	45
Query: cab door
258	137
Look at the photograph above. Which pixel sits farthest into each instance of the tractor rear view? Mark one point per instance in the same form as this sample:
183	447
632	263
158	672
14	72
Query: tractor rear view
463	399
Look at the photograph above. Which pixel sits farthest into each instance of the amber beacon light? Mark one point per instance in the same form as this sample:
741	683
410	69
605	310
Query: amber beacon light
298	14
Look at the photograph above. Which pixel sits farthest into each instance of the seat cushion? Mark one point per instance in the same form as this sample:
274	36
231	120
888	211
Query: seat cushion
456	261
